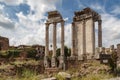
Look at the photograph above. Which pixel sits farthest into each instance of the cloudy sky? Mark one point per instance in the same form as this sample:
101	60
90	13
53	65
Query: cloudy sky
22	21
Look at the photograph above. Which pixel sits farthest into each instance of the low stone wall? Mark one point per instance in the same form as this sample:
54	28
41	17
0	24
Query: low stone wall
73	63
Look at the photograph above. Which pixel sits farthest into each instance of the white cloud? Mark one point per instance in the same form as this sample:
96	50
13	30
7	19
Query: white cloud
5	22
12	2
40	7
116	10
110	24
28	30
96	6
111	33
1	7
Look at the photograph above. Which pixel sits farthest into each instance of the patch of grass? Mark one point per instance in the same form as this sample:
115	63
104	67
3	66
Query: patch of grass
96	77
26	75
59	77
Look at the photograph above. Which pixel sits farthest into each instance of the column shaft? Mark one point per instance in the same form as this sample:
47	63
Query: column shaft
100	33
73	40
54	40
93	38
62	56
47	40
46	63
84	40
62	38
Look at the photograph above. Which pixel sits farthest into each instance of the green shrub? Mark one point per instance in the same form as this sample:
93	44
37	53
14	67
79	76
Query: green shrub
13	53
31	53
9	53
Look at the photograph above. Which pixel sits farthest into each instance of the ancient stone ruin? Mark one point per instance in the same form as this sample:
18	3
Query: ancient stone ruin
4	43
83	34
54	17
83	39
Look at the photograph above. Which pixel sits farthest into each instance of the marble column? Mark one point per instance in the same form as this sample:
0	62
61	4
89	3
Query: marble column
53	61
62	56
73	41
99	33
84	40
93	39
90	38
46	46
62	38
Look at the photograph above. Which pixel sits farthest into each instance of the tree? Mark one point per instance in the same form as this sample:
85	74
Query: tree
113	60
67	51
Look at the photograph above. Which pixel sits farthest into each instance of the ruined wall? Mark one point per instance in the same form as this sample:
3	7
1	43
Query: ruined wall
85	25
4	43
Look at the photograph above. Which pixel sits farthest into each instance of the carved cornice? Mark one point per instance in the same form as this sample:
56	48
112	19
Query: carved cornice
86	14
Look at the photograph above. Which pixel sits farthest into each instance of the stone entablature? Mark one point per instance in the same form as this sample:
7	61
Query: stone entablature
54	17
86	13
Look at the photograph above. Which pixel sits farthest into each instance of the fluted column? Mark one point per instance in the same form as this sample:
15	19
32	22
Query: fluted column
62	56
47	40
53	61
93	39
99	33
73	40
84	40
54	40
46	46
62	38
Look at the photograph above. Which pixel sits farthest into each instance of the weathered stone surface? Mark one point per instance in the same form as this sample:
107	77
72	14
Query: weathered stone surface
87	68
16	68
65	75
4	43
53	78
83	28
54	17
118	52
90	38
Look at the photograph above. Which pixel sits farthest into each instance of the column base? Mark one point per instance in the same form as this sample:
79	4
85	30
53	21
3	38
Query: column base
72	57
80	57
46	63
53	62
89	56
62	62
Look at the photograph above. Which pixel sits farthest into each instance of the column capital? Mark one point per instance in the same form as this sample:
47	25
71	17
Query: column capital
73	23
62	22
99	33
54	23
47	24
99	21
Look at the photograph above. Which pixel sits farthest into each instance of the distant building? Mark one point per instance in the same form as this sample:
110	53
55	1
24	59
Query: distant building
4	43
39	49
23	46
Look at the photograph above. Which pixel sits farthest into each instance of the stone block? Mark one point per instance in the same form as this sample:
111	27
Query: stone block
53	78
